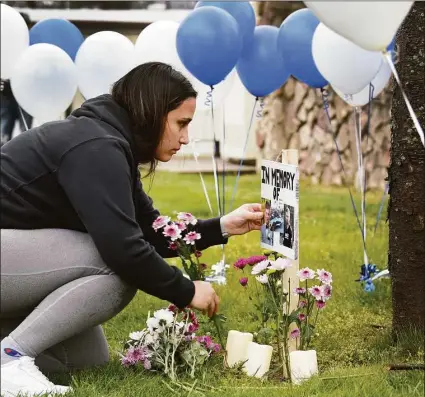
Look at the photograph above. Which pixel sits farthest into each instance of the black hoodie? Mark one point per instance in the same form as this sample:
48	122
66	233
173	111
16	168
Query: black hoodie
81	174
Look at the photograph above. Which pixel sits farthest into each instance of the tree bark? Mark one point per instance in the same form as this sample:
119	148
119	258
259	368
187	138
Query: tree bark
406	212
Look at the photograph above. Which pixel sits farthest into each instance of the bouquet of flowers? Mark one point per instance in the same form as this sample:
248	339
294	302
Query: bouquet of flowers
169	344
273	301
182	237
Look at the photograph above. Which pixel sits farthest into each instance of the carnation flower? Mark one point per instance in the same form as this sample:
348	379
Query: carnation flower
160	222
173	246
203	266
192	327
152	323
302	304
191	237
263	279
280	264
181	225
295	333
198	254
173	308
164	315
147	364
260	267
306	274
301	316
320	304
326	292
316	291
299	291
324	276
240	264
136	335
253	260
243	281
172	231
187	218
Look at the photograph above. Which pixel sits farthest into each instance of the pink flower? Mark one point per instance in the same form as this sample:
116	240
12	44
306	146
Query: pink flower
306	274
253	260
191	328
181	225
160	222
172	231
280	264
299	291
216	348
295	333
134	355
243	281
198	254
187	218
324	276
326	292
191	237
301	316
260	267
173	308
316	291
302	304
127	361
173	246
240	264
320	304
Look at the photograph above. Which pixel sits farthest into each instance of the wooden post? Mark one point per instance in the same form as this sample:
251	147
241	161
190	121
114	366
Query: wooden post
290	279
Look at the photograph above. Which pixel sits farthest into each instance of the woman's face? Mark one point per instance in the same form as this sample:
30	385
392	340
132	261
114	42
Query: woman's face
176	130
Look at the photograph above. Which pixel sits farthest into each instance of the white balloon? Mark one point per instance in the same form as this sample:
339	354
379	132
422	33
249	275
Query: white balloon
362	97
344	64
102	59
44	81
370	24
157	43
14	39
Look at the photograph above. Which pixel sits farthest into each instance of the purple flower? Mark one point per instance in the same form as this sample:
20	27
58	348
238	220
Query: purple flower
240	264
299	291
302	304
320	304
301	316
253	260
127	361
216	348
243	281
295	333
191	328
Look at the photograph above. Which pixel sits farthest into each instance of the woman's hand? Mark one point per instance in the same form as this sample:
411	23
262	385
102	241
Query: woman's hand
242	220
205	298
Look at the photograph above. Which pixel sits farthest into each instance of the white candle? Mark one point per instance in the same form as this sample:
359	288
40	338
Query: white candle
303	365
236	346
259	358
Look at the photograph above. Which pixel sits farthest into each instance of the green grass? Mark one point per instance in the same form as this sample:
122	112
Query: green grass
354	344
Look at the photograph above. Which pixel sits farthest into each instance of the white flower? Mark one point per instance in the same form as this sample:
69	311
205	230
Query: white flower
260	267
280	264
152	323
165	315
137	335
263	279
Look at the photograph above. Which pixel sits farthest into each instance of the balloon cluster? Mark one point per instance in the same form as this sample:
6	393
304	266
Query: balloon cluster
335	43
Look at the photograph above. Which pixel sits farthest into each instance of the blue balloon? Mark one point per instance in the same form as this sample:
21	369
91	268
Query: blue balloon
242	11
209	44
294	45
260	67
391	46
58	32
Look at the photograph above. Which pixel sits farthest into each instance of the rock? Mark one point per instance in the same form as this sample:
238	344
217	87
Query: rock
334	163
310	100
302	114
289	88
343	138
305	136
300	93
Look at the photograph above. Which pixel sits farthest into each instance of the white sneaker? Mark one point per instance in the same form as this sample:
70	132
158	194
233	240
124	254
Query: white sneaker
22	377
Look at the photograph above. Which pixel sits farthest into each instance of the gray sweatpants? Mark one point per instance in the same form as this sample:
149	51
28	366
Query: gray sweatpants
55	293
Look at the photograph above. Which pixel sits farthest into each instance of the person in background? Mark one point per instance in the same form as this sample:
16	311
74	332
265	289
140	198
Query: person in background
77	239
10	112
288	233
266	233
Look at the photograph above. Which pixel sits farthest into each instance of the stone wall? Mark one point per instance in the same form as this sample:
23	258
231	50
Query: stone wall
294	119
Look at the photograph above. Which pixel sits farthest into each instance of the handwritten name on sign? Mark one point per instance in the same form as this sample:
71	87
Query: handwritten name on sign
280	179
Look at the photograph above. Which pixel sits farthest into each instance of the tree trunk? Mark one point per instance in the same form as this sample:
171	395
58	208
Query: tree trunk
406	212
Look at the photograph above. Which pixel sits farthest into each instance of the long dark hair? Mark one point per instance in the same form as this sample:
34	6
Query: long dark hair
149	92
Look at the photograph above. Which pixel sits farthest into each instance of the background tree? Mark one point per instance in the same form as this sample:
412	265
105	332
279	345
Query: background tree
406	212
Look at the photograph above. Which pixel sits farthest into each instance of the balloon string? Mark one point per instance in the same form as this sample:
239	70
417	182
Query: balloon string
223	162
412	113
361	171
235	188
381	207
216	184
204	187
326	109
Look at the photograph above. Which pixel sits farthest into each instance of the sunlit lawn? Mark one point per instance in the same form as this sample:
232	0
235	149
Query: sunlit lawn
354	344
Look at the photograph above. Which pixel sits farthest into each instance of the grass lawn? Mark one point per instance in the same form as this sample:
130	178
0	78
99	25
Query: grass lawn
354	344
